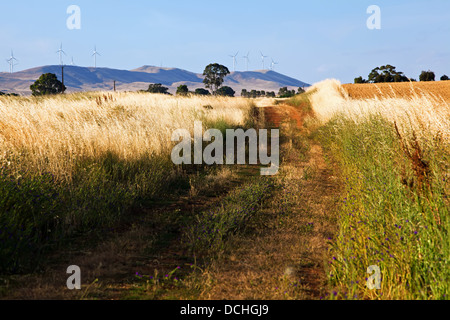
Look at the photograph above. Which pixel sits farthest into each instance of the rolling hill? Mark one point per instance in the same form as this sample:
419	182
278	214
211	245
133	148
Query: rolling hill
91	79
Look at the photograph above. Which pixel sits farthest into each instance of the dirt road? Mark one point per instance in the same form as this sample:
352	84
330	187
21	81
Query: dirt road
286	258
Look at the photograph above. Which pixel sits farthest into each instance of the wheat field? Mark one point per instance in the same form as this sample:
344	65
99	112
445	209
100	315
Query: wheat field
437	90
414	109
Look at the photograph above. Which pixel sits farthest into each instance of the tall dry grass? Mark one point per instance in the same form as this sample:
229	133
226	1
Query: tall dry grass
50	134
80	162
425	114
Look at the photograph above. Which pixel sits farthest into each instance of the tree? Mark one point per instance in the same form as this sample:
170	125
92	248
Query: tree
286	93
244	93
386	73
360	80
225	91
427	76
300	90
444	78
182	90
214	74
157	88
47	83
202	92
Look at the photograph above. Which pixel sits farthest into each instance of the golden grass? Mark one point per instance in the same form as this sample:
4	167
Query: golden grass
438	90
50	134
417	111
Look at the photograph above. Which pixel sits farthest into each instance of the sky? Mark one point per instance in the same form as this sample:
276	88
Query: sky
310	40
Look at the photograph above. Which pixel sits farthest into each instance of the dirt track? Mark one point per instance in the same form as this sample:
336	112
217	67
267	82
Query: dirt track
276	114
286	258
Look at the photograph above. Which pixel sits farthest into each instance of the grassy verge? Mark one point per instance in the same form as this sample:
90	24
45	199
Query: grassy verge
394	212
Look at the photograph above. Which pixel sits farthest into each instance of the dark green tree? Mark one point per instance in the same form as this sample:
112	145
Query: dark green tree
47	83
202	92
386	73
244	93
182	90
360	80
445	78
286	93
214	74
427	76
157	88
225	91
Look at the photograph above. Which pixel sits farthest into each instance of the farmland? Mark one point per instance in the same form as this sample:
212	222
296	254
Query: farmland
364	181
439	90
393	151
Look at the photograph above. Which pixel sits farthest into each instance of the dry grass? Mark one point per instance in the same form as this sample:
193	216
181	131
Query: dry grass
83	161
50	134
424	114
438	89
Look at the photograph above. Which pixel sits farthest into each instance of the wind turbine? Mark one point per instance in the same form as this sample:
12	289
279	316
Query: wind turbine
11	62
234	60
262	58
95	56
60	51
273	64
247	59
72	63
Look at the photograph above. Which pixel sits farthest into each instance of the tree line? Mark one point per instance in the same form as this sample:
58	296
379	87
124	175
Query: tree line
214	77
388	73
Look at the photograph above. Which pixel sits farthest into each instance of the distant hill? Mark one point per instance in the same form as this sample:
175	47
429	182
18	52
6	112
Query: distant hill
91	79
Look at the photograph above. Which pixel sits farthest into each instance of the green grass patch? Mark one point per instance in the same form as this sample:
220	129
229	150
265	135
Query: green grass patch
208	234
401	227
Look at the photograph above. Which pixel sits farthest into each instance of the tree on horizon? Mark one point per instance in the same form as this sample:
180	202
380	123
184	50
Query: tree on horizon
214	74
47	83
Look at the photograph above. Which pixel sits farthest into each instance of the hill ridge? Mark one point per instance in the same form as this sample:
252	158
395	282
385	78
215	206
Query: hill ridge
77	78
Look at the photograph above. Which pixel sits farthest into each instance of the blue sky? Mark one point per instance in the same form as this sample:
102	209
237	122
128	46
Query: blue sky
311	40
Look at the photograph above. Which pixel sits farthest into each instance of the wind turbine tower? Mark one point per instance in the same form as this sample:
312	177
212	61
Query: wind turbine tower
60	51
95	56
234	60
262	58
11	62
247	59
272	66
